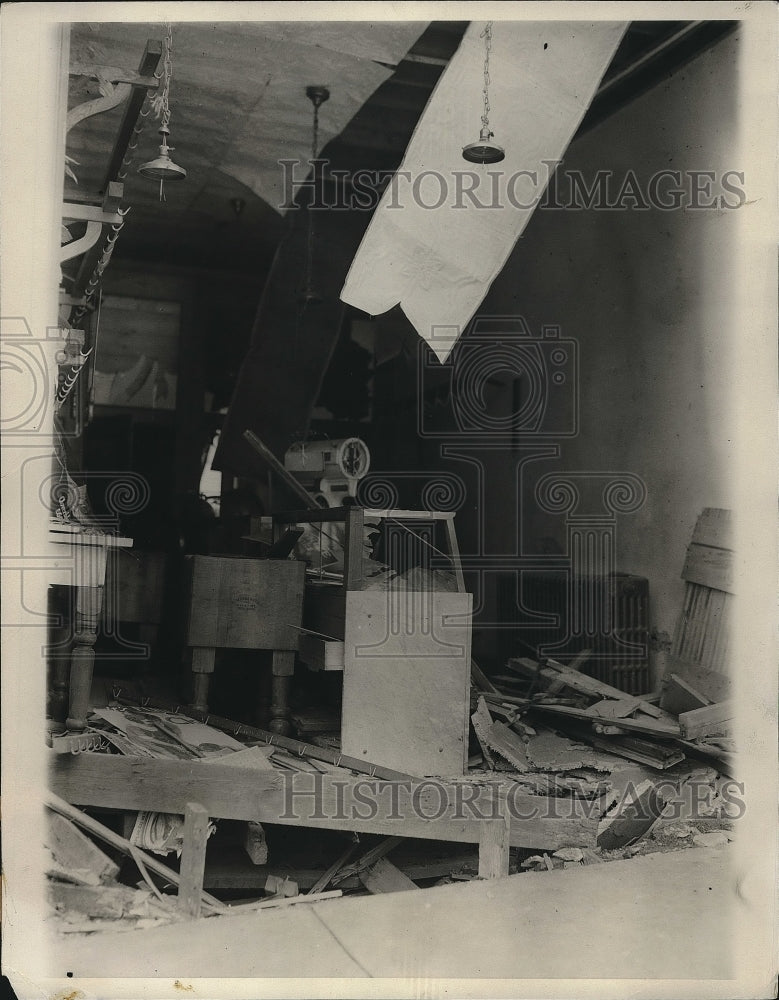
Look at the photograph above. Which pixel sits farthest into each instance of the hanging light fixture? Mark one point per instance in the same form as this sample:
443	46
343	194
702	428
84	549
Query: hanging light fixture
485	151
162	167
310	296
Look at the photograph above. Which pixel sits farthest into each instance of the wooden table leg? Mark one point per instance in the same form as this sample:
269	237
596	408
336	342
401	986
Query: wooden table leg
91	560
203	660
82	660
281	682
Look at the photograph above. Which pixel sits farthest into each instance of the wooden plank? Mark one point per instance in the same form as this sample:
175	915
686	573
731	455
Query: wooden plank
502	740
278	467
406	680
245	603
648	727
710	567
494	843
428	810
354	545
75	852
714	527
378	851
610	708
679	696
321	654
584	684
702	721
383	876
193	859
712	684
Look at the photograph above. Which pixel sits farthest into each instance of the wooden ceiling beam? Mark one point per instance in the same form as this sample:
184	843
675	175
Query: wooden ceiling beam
147	67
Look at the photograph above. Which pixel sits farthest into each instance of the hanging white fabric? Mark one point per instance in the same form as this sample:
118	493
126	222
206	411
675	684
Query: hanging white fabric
445	227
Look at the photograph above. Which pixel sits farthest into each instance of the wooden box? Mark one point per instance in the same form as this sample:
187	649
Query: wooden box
240	603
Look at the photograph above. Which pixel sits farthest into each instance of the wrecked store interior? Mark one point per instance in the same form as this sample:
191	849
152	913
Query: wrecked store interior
377	589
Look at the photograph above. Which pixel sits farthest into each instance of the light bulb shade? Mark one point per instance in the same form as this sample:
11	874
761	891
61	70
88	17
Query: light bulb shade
162	168
484	151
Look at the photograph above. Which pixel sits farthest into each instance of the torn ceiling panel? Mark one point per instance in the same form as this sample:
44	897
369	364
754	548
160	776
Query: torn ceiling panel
436	251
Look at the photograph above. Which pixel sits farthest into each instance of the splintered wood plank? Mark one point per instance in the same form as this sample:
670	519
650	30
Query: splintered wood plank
680	696
383	876
75	852
245	603
711	683
407	679
193	859
557	673
702	721
481	721
503	741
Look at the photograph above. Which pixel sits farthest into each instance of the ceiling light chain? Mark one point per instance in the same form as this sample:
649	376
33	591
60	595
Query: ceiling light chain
163	168
487	36
485	151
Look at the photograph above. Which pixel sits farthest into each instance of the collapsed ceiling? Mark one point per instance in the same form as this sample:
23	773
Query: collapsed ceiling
238	99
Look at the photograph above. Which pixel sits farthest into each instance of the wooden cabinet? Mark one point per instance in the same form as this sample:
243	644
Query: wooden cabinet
405	653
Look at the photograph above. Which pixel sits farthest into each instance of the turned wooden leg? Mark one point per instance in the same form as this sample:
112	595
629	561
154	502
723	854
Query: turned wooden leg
281	683
203	660
82	660
58	658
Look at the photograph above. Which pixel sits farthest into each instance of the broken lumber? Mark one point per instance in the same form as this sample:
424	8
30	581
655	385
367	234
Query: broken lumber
650	727
369	858
74	852
702	721
326	878
496	737
141	858
552	672
383	876
680	696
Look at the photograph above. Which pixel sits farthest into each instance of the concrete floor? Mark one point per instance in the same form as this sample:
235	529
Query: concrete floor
662	916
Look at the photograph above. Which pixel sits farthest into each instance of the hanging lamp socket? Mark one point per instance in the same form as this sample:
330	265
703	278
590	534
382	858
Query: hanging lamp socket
484	151
162	167
317	95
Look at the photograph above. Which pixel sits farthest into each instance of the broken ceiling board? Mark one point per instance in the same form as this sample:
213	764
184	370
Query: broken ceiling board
549	752
438	255
407	680
503	741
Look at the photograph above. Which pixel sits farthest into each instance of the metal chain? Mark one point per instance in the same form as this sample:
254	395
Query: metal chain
487	36
160	102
